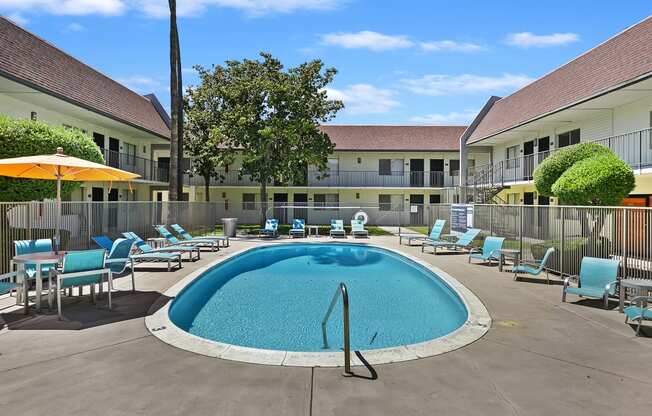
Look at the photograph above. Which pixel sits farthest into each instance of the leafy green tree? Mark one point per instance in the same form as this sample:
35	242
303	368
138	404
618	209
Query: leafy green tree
585	174
28	138
269	116
202	142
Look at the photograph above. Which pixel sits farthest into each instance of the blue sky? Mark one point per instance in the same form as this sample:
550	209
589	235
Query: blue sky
407	62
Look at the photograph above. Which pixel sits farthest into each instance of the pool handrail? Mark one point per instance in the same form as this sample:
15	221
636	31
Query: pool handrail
341	289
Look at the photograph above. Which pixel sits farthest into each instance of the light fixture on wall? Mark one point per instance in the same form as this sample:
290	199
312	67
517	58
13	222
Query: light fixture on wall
359	160
357	195
144	149
33	115
223	194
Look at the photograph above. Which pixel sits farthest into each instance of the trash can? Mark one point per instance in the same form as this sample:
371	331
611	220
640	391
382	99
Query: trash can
229	225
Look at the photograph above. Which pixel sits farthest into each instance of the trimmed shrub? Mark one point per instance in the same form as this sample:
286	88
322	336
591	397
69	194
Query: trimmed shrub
556	164
29	138
601	180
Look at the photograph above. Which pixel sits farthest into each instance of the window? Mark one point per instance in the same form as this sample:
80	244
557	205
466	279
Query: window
248	202
513	198
511	155
130	153
326	200
388	167
569	138
334	166
390	202
454	167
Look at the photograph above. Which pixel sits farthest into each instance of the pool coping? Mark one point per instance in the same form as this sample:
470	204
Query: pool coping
476	326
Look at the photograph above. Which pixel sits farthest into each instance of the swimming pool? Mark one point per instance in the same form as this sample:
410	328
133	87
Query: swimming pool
274	298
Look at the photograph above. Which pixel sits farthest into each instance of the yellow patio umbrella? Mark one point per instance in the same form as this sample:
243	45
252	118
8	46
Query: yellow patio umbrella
60	167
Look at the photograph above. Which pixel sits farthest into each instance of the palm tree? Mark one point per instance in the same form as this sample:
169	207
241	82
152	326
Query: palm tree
175	186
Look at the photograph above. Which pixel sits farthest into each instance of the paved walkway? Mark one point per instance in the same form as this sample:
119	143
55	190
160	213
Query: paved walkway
540	357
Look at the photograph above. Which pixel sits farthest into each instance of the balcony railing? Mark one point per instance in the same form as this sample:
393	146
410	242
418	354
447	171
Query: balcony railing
635	148
148	170
353	179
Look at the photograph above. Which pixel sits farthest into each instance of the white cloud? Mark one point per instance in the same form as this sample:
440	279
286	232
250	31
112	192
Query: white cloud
189	8
18	18
450	45
530	40
465	84
143	85
454	117
364	99
74	27
367	39
66	7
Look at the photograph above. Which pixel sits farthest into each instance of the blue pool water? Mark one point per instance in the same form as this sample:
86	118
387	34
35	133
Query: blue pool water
275	297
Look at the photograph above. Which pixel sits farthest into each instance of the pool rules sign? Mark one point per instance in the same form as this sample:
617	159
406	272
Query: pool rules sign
461	218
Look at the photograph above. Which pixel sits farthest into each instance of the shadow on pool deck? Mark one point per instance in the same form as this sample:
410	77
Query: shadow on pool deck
79	313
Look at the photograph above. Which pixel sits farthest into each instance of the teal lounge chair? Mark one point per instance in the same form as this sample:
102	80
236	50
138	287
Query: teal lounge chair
103	241
147	249
212	244
490	250
597	279
638	310
187	237
463	242
337	229
170	257
357	229
536	268
82	268
435	234
270	230
298	228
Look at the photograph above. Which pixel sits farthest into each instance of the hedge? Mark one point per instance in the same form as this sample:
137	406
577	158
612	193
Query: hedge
29	138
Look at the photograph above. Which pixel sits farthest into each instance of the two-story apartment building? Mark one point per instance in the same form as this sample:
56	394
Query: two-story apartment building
604	95
391	167
41	82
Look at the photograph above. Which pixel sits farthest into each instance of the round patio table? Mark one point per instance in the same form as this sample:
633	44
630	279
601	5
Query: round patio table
37	259
511	253
639	284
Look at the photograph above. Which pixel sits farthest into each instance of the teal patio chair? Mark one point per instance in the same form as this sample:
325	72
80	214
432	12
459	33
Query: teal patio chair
490	250
639	310
119	260
170	238
597	279
187	237
8	283
82	268
149	252
535	268
298	228
21	247
337	229
270	229
357	229
435	234
464	242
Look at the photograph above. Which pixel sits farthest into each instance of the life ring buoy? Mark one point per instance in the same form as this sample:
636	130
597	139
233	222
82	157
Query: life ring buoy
362	216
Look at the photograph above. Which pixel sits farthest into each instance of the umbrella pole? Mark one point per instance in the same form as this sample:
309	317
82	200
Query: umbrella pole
57	240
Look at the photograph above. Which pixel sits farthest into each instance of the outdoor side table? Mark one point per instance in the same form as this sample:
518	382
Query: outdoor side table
157	242
639	284
38	259
313	228
511	253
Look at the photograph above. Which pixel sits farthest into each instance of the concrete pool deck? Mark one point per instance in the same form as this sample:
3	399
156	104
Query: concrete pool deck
540	357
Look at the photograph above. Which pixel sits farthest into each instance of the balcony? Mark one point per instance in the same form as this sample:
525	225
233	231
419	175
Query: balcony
343	179
635	148
148	170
